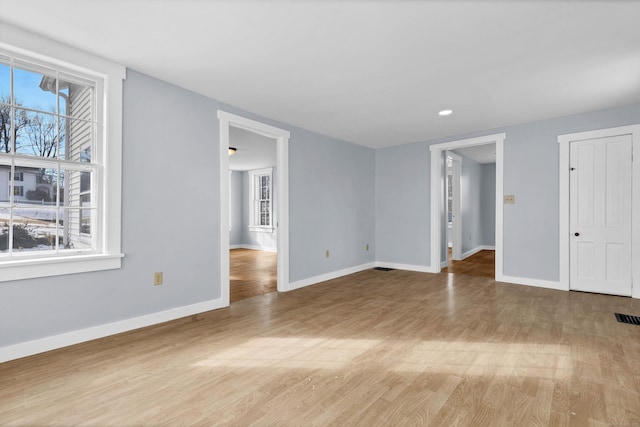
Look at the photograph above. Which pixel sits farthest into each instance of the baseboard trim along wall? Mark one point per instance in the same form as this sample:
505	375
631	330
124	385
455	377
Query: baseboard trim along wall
538	283
330	276
41	345
408	267
476	250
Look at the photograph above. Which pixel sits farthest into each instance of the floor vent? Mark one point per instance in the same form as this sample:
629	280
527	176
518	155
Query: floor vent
626	318
383	269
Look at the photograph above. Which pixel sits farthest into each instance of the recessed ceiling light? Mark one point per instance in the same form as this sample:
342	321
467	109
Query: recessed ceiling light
445	112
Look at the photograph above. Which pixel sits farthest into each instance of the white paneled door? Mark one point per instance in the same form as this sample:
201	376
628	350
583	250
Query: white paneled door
600	215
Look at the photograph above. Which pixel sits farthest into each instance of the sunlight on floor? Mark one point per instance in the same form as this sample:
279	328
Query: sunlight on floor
460	358
307	353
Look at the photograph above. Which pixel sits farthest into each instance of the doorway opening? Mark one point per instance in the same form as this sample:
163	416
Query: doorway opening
267	206
470	210
439	206
253	194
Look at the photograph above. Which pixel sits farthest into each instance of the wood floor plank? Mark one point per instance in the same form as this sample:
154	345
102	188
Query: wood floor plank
251	273
481	264
373	348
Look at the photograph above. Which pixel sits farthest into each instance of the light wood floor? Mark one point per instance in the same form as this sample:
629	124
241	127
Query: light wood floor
481	264
251	273
374	348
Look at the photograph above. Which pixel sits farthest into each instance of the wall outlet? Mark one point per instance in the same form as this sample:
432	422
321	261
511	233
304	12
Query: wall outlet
366	247
510	199
326	253
157	278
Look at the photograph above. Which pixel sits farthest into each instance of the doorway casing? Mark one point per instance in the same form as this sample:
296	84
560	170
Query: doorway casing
565	141
437	199
281	136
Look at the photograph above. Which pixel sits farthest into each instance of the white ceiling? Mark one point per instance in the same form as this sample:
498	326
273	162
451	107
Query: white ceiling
253	151
371	72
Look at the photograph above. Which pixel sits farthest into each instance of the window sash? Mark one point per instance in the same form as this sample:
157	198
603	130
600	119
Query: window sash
55	157
261	198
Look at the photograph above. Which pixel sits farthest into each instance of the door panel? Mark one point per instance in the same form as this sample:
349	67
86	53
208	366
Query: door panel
600	215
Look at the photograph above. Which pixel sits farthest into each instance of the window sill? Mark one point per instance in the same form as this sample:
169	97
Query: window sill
56	266
261	229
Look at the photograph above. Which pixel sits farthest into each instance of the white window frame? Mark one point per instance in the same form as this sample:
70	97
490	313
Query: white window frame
253	212
18	43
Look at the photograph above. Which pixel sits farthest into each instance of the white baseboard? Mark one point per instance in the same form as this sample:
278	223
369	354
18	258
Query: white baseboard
408	267
548	284
329	276
41	345
475	251
254	247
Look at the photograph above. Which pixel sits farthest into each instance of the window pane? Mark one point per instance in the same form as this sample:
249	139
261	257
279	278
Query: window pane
85	155
75	139
75	189
6	127
38	186
5	81
39	134
5	171
76	228
34	229
264	213
4	230
35	89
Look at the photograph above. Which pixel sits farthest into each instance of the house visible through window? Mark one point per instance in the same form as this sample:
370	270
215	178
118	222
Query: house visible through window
48	123
59	202
261	195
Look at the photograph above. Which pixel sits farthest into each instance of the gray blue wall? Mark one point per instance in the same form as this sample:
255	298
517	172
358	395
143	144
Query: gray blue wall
470	209
531	225
237	203
170	217
333	185
488	204
402	189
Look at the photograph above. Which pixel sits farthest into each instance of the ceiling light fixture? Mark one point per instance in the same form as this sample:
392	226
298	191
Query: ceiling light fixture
445	112
232	151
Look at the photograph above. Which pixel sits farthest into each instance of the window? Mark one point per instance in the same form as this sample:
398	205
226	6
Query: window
55	140
261	194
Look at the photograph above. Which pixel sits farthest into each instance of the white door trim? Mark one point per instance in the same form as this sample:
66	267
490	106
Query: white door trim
436	194
281	136
564	142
